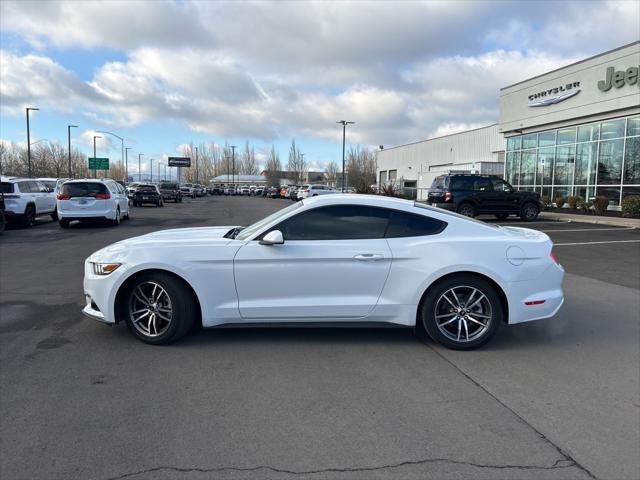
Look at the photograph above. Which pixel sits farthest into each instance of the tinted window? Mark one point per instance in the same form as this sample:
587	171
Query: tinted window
461	183
501	185
42	188
340	222
83	189
439	183
49	183
481	184
146	189
24	187
6	187
34	187
170	186
404	224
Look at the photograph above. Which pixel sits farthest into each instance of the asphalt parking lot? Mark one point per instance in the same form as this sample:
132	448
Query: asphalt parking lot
555	399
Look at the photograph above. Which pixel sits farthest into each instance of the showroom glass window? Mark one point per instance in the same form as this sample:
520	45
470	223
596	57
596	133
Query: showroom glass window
601	158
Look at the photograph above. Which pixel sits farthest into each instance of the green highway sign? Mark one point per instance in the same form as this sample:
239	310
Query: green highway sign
98	163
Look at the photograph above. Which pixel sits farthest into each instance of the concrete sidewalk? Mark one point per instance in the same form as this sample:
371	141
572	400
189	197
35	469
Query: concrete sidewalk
619	222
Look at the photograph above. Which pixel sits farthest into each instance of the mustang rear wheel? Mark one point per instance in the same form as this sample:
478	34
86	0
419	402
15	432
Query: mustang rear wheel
462	312
159	308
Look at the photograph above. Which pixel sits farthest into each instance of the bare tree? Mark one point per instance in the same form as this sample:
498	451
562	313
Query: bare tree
361	169
273	166
249	165
297	165
331	172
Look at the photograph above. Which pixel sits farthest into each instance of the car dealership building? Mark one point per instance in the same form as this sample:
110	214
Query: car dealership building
572	131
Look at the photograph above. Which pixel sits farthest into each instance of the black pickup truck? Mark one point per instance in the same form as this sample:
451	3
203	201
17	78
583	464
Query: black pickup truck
472	194
171	191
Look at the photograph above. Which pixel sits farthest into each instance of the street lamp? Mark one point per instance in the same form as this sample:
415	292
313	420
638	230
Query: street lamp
151	160
121	143
196	164
69	127
126	163
344	124
301	166
139	169
41	140
28	109
95	170
233	168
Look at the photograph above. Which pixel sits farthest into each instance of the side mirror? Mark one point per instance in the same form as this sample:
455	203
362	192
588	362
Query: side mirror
272	238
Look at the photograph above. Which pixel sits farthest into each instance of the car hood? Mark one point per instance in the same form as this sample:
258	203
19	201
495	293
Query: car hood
177	237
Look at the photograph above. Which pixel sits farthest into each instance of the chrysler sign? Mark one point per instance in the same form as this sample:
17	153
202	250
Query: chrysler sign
554	95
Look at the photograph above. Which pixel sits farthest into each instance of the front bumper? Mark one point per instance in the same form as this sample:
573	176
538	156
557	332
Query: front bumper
100	293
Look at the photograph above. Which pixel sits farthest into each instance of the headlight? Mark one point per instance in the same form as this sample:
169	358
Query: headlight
104	268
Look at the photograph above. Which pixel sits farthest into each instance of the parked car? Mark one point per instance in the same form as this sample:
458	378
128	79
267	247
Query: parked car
188	190
307	191
293	192
92	199
471	195
131	188
244	190
259	192
171	191
25	199
401	263
273	192
53	183
148	193
230	191
284	192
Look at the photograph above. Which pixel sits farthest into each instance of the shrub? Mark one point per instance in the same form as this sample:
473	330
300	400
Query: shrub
389	190
546	202
600	205
581	205
588	207
631	206
560	202
573	202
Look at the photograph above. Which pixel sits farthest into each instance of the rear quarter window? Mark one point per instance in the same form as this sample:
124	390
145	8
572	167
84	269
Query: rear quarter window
405	224
6	187
439	183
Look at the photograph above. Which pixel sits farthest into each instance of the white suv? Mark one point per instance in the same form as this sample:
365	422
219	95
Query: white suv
307	191
25	199
92	198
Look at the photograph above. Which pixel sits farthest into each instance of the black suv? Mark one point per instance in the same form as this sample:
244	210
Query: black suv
171	191
472	195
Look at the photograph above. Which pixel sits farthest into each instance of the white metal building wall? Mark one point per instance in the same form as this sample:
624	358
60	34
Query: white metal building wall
413	161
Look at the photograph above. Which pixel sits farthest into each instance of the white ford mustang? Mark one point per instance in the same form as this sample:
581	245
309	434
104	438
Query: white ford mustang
359	260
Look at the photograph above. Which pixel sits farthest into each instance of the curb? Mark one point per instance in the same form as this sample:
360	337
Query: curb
616	222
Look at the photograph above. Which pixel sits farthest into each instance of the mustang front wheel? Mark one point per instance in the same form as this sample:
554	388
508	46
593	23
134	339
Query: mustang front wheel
160	309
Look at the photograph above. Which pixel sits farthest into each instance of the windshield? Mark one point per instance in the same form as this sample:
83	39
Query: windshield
251	229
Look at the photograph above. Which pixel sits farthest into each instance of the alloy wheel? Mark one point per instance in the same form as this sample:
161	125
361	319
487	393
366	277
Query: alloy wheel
463	314
150	309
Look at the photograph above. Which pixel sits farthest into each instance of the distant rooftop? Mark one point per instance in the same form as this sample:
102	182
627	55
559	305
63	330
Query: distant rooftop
238	179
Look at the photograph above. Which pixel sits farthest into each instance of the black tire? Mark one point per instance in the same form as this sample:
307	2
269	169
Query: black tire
466	209
502	216
118	218
433	303
29	217
183	305
54	215
64	222
529	212
175	200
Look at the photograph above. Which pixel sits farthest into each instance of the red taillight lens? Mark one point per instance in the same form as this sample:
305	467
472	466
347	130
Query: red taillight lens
448	197
554	258
63	196
103	196
306	191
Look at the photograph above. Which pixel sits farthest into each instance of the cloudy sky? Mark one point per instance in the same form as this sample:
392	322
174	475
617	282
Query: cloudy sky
162	74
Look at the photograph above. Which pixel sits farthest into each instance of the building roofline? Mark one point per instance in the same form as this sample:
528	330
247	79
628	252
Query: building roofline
637	42
436	138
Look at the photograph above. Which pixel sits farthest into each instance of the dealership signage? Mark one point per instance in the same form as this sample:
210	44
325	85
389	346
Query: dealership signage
96	163
179	161
619	78
554	95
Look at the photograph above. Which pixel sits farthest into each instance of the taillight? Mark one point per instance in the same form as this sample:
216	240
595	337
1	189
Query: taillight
554	258
103	196
63	196
306	191
448	197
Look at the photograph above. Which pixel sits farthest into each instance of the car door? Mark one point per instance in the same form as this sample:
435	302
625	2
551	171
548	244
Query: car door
49	196
40	195
484	194
506	199
333	265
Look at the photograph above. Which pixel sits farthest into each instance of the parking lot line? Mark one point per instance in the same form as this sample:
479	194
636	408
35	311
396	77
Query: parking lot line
589	229
595	243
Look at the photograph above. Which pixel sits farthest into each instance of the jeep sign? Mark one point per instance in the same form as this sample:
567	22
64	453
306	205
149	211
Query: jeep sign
619	78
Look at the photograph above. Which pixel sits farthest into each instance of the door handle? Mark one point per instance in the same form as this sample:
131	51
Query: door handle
368	257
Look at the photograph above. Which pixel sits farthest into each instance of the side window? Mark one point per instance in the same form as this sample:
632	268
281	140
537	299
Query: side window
34	187
461	183
404	224
24	187
501	185
42	188
338	222
481	184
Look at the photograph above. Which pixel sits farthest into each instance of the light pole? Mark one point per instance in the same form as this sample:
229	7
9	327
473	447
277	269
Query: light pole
301	165
233	159
28	109
121	143
126	163
69	127
196	164
344	124
151	159
95	170
139	170
228	164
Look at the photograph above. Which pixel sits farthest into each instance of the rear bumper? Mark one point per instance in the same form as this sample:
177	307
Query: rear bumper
80	214
524	296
